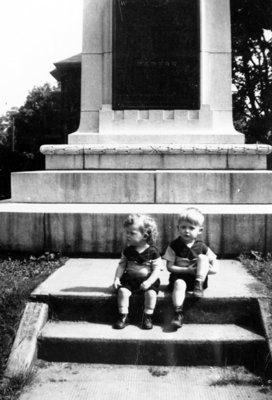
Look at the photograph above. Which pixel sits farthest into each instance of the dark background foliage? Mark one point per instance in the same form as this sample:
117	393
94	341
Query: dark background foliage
252	68
22	132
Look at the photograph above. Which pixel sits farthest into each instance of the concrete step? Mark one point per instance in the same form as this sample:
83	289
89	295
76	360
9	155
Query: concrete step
74	381
155	187
96	229
194	344
204	311
81	290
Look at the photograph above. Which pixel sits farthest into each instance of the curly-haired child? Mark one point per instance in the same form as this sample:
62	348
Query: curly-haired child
139	269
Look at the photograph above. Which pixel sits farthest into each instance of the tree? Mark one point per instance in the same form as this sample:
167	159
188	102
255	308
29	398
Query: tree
39	120
252	68
5	124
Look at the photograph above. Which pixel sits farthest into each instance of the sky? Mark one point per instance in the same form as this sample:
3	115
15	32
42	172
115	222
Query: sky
33	35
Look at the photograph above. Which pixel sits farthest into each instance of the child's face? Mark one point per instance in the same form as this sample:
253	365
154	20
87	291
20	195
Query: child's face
134	235
188	231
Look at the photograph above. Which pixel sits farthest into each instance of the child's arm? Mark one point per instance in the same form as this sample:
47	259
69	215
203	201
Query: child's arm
175	269
119	272
155	274
170	257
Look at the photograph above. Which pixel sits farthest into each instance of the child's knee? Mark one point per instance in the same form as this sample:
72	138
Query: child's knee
179	285
202	259
124	292
151	294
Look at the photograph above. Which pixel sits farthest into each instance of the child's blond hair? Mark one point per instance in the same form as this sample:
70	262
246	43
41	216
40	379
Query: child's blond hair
147	226
191	215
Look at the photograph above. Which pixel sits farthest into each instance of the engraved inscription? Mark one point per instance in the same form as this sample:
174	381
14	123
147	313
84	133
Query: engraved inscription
156	54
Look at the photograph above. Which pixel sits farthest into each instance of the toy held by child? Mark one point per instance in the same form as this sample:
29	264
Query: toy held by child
139	269
189	261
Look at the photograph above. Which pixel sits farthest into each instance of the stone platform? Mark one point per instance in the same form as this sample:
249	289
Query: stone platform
70	210
143	187
89	278
97	228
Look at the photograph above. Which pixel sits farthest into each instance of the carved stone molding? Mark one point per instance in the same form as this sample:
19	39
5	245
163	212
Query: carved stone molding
63	149
235	149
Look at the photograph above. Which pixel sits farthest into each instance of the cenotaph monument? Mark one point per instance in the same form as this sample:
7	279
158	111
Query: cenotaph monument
156	67
155	134
156	79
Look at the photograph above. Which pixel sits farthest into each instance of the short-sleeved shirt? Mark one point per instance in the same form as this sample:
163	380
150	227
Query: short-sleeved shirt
184	256
141	265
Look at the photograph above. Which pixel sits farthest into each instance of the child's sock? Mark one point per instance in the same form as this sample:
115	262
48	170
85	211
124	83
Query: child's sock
148	311
123	310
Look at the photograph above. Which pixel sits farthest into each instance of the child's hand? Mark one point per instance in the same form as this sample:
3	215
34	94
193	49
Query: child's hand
191	269
116	283
145	285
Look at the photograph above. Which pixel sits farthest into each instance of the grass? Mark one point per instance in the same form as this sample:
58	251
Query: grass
19	275
259	265
237	375
240	376
11	389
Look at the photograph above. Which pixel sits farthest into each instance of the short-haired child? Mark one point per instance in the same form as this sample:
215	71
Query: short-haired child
189	261
139	269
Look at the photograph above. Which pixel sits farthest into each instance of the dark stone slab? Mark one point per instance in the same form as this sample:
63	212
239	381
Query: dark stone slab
156	54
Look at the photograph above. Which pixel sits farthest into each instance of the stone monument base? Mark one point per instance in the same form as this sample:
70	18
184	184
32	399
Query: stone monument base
172	127
150	157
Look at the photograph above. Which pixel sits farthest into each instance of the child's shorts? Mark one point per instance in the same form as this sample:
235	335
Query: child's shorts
189	279
133	284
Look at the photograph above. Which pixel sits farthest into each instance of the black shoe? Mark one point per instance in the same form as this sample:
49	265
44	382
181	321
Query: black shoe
147	322
198	289
122	322
177	320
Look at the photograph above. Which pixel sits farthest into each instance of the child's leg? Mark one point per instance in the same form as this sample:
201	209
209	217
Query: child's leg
202	270
123	304
123	300
178	295
202	267
149	306
150	301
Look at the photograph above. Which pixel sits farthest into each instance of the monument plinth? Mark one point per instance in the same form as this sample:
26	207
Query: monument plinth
155	135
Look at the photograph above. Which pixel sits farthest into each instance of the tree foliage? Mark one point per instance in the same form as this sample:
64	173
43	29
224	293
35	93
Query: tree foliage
39	120
252	68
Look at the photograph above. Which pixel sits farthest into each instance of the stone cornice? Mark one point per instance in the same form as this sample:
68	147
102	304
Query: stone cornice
172	149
